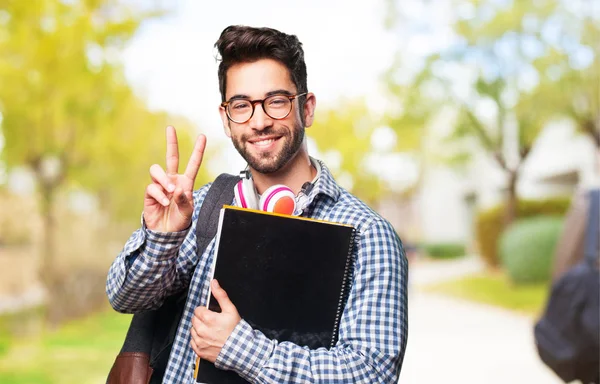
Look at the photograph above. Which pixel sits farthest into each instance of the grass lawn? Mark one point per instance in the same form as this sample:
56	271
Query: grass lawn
78	352
494	288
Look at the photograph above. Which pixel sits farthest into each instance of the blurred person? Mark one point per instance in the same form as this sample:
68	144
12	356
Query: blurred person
266	107
567	335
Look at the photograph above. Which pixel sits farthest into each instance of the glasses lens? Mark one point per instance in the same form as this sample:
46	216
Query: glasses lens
278	107
239	110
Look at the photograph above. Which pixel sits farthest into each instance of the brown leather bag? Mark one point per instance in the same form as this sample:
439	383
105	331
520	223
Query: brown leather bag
131	368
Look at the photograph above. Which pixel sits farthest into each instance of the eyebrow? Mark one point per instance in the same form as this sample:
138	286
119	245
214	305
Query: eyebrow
270	93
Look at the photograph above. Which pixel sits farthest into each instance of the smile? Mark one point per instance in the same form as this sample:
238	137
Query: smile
264	143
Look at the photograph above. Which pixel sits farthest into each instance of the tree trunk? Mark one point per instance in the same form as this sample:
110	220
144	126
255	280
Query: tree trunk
48	272
593	131
511	198
48	251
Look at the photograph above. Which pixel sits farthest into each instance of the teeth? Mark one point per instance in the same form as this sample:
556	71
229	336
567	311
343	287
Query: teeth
263	143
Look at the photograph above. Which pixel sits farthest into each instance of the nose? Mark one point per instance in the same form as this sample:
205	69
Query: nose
260	120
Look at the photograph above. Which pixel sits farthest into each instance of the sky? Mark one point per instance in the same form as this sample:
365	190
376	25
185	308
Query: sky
171	61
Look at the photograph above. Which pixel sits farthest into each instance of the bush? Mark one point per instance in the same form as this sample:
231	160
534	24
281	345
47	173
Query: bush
527	248
489	223
444	250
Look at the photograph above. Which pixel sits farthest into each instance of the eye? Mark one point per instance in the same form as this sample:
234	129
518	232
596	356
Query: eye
278	101
239	105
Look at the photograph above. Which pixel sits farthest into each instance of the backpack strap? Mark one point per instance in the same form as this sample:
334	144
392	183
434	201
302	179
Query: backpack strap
221	192
153	332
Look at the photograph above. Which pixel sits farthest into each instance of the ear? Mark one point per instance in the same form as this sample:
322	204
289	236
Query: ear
225	120
309	109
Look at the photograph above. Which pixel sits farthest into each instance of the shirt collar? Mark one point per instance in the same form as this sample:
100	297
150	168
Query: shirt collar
325	184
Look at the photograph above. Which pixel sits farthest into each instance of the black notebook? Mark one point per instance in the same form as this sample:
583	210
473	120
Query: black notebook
288	277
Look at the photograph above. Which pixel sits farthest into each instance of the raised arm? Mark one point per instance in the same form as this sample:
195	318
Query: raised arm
159	258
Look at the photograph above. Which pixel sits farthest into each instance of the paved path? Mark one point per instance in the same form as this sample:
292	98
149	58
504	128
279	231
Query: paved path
427	272
455	341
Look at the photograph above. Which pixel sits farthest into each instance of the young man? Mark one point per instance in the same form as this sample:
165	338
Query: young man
266	108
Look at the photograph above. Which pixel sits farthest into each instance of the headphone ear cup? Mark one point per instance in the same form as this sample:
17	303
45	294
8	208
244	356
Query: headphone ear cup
278	199
245	194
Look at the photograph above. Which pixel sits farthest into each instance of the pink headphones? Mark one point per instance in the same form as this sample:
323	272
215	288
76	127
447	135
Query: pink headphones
277	198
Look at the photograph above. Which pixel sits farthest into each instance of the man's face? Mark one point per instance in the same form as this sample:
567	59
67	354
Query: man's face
265	143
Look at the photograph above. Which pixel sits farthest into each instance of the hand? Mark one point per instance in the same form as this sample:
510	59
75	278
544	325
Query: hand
168	202
210	330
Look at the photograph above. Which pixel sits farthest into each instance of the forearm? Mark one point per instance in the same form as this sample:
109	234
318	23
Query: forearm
274	362
372	336
153	265
145	271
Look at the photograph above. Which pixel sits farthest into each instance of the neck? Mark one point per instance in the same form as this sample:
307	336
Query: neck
298	171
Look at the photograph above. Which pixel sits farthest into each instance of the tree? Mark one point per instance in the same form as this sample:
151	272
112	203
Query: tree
122	152
519	74
569	70
412	109
343	135
67	110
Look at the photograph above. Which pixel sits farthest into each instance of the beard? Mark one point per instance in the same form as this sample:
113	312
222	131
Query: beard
271	162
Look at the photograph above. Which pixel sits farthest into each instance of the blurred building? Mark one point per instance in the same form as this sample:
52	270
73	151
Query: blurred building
445	206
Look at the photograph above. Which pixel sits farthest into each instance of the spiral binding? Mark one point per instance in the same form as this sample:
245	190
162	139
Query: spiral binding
345	290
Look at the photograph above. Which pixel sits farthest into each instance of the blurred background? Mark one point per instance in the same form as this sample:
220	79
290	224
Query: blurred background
472	125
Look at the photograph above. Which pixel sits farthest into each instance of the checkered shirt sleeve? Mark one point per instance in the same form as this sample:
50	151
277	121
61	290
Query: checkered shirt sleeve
153	265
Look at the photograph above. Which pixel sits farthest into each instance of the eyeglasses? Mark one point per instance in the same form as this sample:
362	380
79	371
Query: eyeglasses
276	107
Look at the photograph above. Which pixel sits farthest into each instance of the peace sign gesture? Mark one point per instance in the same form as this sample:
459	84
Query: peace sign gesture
168	202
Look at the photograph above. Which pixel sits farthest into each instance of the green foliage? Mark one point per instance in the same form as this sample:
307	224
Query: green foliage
564	69
14	325
64	97
527	248
346	131
54	98
412	106
5	342
79	352
525	64
496	289
489	223
444	250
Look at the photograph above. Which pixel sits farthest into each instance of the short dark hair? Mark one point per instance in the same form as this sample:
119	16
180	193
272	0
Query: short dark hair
242	44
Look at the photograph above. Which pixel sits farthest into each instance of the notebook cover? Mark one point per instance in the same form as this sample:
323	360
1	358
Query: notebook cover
288	277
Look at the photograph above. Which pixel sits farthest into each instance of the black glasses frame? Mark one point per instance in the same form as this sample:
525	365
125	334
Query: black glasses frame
262	104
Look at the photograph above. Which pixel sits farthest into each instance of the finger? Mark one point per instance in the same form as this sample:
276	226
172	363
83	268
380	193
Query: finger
159	176
180	197
202	315
199	348
195	346
200	332
196	323
172	151
199	311
191	171
155	191
222	297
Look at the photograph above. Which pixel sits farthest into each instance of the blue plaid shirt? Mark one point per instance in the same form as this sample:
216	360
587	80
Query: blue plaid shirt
373	328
